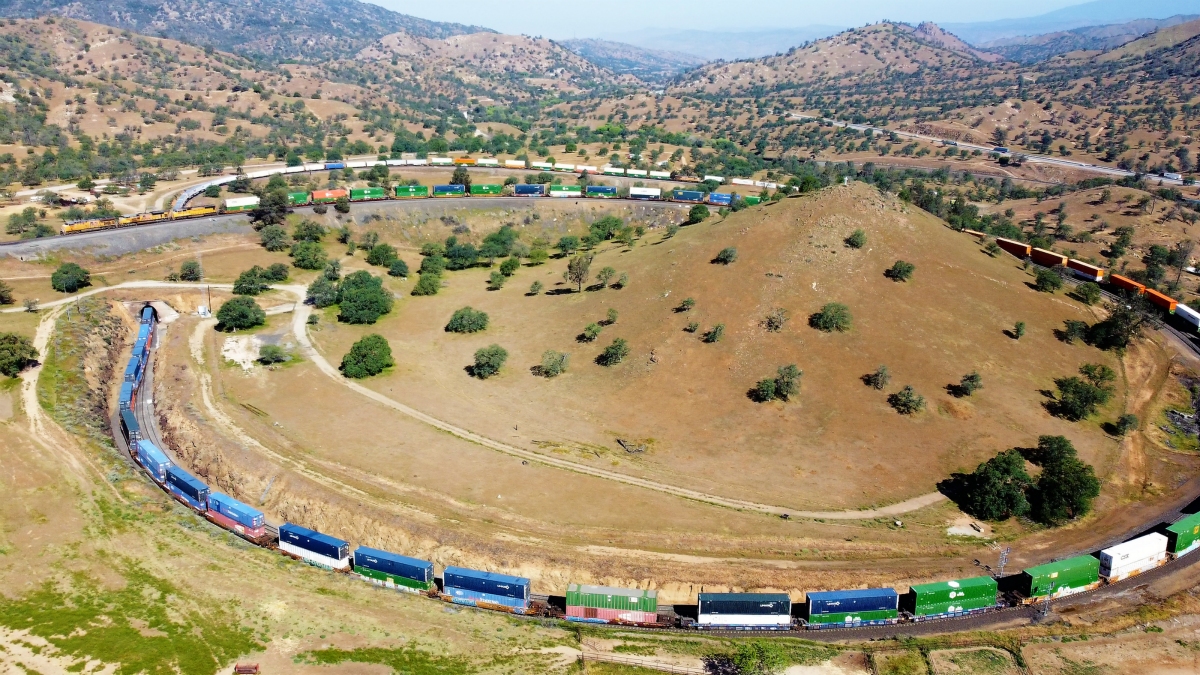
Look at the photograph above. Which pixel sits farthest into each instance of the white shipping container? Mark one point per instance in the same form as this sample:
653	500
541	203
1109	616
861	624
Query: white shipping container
1188	314
645	192
294	169
719	179
487	161
514	164
441	161
1138	555
636	172
564	167
395	162
544	166
323	560
417	162
764	621
261	174
660	174
314	167
240	202
742	181
356	165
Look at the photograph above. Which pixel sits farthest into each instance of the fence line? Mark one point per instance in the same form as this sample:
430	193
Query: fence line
624	660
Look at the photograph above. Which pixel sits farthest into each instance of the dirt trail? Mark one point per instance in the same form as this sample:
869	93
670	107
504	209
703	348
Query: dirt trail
299	328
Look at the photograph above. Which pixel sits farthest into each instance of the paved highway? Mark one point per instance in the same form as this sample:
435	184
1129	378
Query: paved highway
1029	157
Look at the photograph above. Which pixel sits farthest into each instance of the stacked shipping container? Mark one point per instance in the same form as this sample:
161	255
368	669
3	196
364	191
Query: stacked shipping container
487	589
234	515
392	570
602	604
832	609
758	611
313	547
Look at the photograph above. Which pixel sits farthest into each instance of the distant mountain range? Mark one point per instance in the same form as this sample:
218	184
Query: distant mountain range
311	30
648	64
726	45
1033	48
1096	13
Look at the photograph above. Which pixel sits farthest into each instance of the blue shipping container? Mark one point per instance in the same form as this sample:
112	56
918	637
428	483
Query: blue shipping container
144	332
130	428
188	487
149	314
133	371
154	460
868	600
529	190
602	190
126	398
311	540
688	196
335	165
394	564
448	190
489	583
140	348
720	198
234	510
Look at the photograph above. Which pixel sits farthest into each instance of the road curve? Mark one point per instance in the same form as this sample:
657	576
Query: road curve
300	330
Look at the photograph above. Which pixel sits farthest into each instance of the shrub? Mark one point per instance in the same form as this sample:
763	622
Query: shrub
308	230
1078	398
605	275
764	391
1047	281
190	270
274	238
268	354
1088	292
622	281
900	271
6	294
362	298
553	363
614	353
568	244
591	332
692	327
322	293
907	401
16	352
1126	424
787	382
496	280
239	313
321	209
857	239
878	379
775	319
369	356
397	268
381	255
308	255
970	383
434	264
698	213
714	334
427	284
251	282
538	256
535	288
467	320
342	205
69	278
1074	330
834	316
686	305
726	256
510	266
672	230
1019	330
610	317
488	361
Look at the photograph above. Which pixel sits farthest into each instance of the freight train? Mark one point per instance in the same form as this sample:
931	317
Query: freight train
634	607
180	210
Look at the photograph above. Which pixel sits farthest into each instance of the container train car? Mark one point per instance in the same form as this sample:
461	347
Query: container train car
840	609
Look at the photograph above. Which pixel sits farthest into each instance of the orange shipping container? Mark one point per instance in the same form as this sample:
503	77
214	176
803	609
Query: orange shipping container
1126	284
1047	258
1014	247
1160	300
1089	272
464	161
320	196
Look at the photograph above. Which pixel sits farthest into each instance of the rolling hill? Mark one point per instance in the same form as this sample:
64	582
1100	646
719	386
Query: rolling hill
1028	49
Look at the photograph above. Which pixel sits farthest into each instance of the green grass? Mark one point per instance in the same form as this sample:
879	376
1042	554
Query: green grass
148	626
406	660
981	661
63	389
908	663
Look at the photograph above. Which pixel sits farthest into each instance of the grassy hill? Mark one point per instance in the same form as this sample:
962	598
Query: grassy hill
840	444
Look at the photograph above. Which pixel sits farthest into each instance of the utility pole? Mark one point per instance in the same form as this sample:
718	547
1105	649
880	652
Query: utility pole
1003	561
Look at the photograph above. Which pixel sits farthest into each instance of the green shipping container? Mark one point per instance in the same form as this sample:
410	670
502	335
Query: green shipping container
409	191
855	617
1183	536
1060	578
399	581
950	597
752	200
296	198
602	597
487	189
361	194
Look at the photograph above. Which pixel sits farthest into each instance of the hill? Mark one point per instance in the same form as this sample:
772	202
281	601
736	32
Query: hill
310	31
839	445
1033	48
620	57
1095	13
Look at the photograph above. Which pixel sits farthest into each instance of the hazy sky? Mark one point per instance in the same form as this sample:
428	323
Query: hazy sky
613	17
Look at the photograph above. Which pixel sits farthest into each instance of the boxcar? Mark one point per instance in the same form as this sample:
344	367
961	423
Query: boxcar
313	547
745	611
841	609
603	604
486	589
393	570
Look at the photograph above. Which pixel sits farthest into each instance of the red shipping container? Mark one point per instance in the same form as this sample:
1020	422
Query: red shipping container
626	615
1126	284
1158	299
1014	247
230	524
1047	258
1089	272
